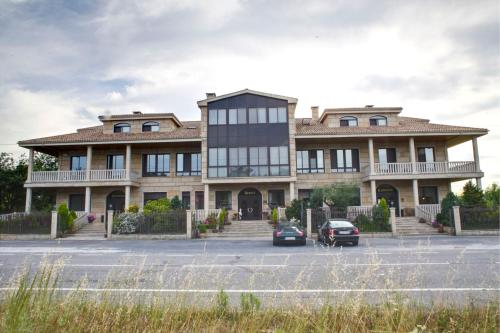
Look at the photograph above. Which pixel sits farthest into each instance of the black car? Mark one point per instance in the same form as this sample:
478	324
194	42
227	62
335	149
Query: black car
288	234
338	231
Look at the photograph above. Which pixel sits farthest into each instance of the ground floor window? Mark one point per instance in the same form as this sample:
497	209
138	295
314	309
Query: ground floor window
223	200
148	196
186	200
77	202
199	200
304	194
428	195
276	198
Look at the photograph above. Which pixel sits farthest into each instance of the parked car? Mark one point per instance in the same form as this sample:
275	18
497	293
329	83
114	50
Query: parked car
288	234
335	231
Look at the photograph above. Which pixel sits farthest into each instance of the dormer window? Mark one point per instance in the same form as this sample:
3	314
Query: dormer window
378	121
151	126
121	128
348	121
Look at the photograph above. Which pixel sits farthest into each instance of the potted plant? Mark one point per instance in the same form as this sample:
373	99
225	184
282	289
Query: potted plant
90	218
202	228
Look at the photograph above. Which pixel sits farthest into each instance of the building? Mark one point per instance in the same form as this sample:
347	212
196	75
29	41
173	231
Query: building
249	153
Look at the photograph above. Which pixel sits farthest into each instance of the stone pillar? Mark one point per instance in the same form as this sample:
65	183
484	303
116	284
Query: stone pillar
371	156
458	223
128	160
476	160
89	161
415	193
292	191
53	225
412	155
206	200
31	156
88	194
393	221
127	196
109	220
29	195
373	190
188	224
309	223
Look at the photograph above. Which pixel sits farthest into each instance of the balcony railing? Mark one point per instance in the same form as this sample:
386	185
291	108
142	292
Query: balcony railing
407	168
68	176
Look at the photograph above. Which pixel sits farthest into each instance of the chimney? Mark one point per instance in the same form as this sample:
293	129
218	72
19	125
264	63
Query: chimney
315	113
136	112
210	95
369	106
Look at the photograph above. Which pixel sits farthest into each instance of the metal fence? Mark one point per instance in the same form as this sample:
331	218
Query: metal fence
483	218
33	223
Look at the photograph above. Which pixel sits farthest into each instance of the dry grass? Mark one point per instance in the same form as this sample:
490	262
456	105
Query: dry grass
34	306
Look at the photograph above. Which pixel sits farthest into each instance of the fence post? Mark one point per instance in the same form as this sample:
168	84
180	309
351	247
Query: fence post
53	225
393	221
110	224
188	224
458	223
309	222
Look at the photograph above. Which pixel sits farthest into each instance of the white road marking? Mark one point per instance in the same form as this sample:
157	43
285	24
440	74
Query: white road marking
425	252
397	264
59	250
262	291
7	254
99	265
178	255
228	265
375	253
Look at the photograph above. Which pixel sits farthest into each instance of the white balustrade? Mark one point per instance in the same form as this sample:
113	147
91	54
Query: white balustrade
80	175
393	168
427	212
406	168
11	216
355	211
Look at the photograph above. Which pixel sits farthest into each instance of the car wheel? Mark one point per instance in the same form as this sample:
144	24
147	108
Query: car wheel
355	243
304	242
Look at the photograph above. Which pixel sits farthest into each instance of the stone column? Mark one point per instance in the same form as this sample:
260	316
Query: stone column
89	162
31	156
109	219
128	160
371	156
88	194
29	195
309	223
206	198
373	190
412	155
292	191
476	160
458	223
188	224
415	193
53	225
393	221
127	196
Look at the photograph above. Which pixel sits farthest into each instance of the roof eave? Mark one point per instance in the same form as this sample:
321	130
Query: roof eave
204	102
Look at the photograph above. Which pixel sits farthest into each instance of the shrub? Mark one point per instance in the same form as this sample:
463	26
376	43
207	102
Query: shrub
133	208
222	217
274	215
492	195
157	206
472	195
126	223
63	213
380	216
295	209
249	303
175	203
211	221
365	224
445	216
202	228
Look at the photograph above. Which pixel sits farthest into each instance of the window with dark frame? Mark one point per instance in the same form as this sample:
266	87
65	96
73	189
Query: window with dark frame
428	195
199	200
149	196
310	161
223	200
188	164
217	117
151	126
121	128
257	116
186	200
156	165
238	162
276	198
115	162
237	116
277	115
217	162
426	154
348	121
378	121
387	155
77	202
345	160
78	163
279	163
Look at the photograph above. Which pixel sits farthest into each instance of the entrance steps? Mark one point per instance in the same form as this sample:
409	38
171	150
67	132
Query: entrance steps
244	229
89	231
410	226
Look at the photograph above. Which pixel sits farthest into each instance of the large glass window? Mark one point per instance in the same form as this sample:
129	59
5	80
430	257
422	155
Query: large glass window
77	202
186	200
276	198
279	161
345	160
149	196
199	200
121	128
237	116
151	126
217	117
238	164
257	116
258	161
277	115
217	162
310	161
188	164
428	195
116	162
378	121
387	155
348	121
223	200
78	163
426	154
156	165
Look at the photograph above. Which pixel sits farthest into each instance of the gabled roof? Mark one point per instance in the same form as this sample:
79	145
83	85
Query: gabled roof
205	101
366	109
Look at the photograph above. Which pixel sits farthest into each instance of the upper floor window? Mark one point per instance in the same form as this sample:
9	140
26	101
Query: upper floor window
217	162
348	121
238	166
237	116
257	116
345	160
259	165
78	163
188	164
310	161
151	126
387	155
279	161
122	128
378	121
277	115
217	117
116	162
156	165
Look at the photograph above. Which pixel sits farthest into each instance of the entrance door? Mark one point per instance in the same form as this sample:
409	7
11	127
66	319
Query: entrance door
115	201
250	204
390	194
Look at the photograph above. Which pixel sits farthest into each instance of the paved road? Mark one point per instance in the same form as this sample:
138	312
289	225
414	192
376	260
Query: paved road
437	268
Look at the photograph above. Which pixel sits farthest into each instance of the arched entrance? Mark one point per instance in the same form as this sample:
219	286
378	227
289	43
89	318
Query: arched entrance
250	204
390	194
115	201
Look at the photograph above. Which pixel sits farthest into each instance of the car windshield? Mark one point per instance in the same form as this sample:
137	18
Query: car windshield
340	224
289	229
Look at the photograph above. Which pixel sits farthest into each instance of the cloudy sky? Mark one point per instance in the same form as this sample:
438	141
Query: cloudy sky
63	63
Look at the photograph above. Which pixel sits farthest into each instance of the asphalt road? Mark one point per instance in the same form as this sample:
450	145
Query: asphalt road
428	269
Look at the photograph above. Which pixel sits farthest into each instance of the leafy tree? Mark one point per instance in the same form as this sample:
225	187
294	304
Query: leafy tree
175	203
317	197
338	195
157	206
472	195
492	195
295	210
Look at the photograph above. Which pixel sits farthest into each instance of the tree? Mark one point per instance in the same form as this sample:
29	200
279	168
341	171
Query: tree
157	206
317	197
341	195
472	195
492	195
175	203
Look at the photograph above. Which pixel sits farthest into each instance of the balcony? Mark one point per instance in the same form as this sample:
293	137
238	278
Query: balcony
408	170
103	177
